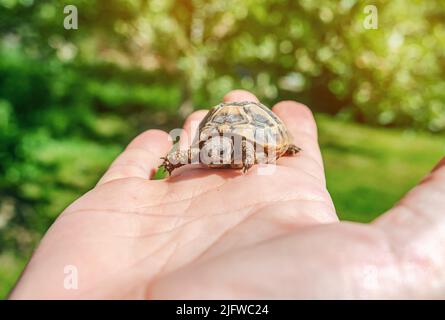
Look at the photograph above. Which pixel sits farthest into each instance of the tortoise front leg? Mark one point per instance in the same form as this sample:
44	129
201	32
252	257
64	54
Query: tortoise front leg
176	159
292	150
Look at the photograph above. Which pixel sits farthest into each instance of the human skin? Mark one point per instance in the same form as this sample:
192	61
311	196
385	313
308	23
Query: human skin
221	234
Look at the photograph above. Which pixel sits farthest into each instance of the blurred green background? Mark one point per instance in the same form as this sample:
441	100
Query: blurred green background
70	100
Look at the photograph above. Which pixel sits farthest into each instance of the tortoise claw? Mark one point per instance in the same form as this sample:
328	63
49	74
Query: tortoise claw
246	167
169	167
292	150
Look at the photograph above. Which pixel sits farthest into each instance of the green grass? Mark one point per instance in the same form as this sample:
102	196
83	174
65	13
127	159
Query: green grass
368	170
10	268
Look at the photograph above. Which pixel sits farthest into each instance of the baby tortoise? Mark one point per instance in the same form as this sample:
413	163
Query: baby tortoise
236	135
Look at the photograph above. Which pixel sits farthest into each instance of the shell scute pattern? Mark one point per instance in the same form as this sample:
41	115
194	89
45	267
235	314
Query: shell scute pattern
252	121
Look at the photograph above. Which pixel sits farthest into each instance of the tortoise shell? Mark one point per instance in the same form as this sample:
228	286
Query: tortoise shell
235	135
250	120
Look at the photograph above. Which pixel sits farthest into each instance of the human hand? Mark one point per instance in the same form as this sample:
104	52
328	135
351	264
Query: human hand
220	234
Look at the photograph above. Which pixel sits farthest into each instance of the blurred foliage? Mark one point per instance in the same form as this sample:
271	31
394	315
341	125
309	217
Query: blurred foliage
71	99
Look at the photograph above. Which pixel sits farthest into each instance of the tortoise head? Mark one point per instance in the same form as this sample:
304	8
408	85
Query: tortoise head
217	150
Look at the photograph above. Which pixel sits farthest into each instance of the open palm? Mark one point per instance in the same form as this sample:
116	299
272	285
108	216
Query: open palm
208	233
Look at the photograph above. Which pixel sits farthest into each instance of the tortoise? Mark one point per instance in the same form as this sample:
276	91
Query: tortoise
235	135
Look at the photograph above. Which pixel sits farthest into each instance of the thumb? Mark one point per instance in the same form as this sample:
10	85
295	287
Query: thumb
415	229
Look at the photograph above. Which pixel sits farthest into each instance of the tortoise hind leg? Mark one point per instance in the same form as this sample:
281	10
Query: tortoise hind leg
292	150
